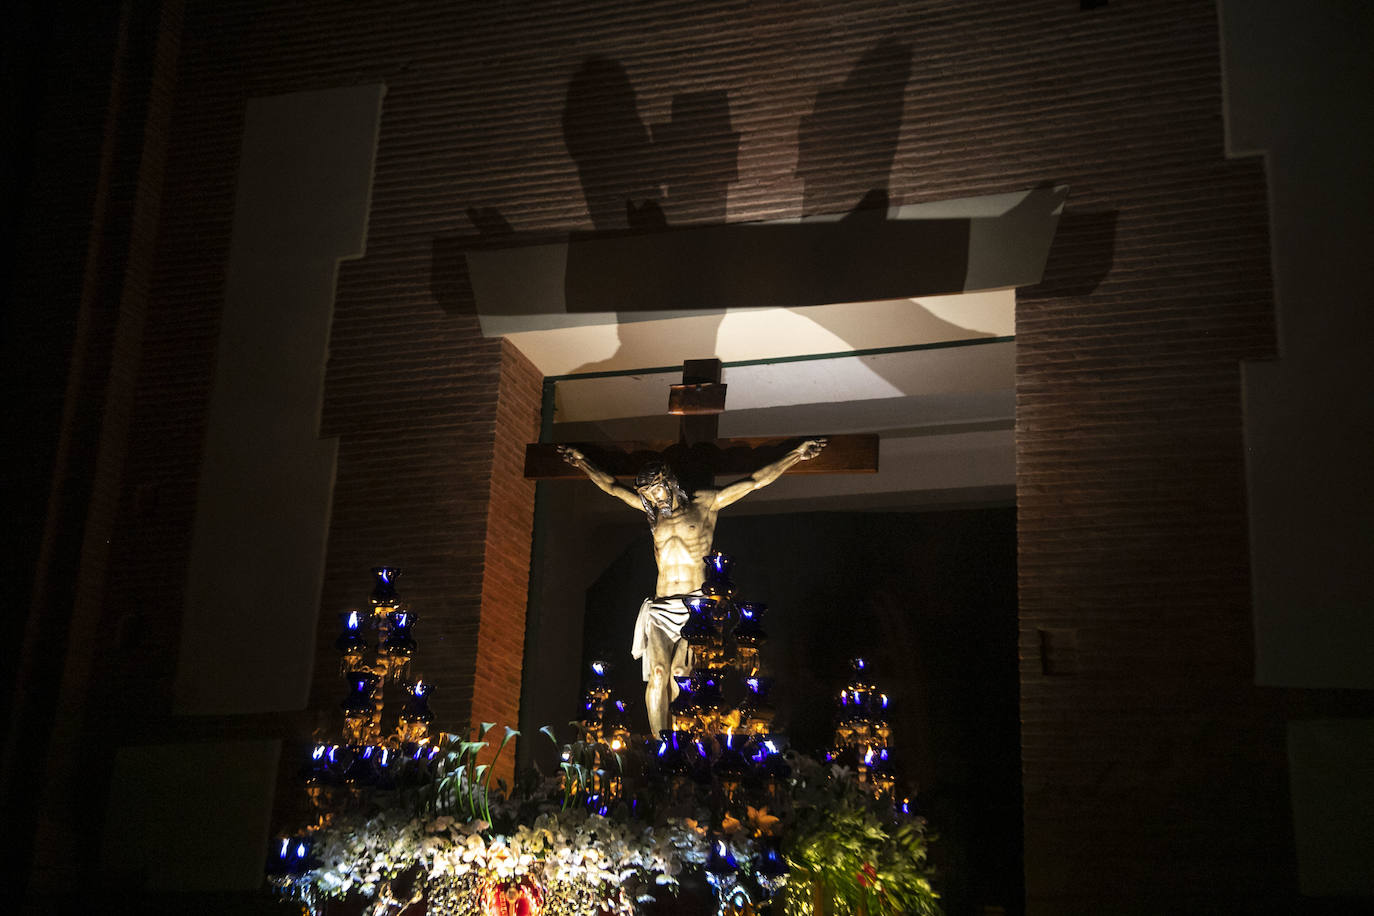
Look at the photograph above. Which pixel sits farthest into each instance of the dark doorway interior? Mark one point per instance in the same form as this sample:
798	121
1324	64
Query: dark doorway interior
929	600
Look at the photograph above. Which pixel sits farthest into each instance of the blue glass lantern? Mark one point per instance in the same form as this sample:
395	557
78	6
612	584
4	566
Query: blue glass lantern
730	766
717	580
685	707
770	868
671	759
756	710
352	645
721	868
358	704
412	725
399	644
292	856
594	701
361	771
708	693
880	773
616	727
750	630
384	586
698	630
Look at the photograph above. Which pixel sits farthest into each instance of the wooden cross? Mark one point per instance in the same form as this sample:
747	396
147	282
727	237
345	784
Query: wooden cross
698	456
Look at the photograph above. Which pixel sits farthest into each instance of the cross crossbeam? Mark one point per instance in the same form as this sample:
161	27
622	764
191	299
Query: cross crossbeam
698	455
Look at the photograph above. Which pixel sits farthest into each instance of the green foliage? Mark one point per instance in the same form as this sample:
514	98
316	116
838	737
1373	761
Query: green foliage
462	786
848	855
458	788
629	825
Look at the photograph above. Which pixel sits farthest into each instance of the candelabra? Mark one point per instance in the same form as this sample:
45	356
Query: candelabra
725	637
862	732
603	732
720	744
376	646
722	721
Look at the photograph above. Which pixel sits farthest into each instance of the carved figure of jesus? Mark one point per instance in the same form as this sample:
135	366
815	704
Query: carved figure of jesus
683	527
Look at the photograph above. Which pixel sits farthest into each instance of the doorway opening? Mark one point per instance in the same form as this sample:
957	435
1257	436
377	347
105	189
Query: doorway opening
912	567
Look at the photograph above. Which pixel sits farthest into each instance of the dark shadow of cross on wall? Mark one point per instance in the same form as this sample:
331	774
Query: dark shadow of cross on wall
640	177
845	147
631	173
637	178
634	176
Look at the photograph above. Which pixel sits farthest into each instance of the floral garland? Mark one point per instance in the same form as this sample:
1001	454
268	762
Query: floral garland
550	852
569	861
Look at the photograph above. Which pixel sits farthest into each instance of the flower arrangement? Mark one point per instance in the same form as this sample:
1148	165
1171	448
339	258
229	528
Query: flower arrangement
563	862
404	817
553	848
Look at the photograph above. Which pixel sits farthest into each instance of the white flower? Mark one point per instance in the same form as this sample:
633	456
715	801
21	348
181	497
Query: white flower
476	849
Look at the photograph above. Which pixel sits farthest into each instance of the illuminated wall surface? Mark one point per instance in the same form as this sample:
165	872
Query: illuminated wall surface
250	366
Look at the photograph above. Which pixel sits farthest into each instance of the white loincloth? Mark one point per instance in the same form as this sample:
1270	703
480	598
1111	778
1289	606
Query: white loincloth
667	614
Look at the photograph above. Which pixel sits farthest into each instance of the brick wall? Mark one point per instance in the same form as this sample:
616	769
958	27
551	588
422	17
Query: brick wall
1153	769
506	562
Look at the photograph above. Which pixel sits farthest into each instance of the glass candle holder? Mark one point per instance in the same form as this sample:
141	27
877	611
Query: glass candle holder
384	586
770	868
412	725
750	629
399	641
361	771
717	579
351	642
721	868
685	707
698	630
358	704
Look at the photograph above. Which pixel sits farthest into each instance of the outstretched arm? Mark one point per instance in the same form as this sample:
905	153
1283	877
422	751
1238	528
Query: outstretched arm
605	481
768	473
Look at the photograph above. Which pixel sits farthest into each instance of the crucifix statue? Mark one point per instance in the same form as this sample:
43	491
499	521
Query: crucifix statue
683	522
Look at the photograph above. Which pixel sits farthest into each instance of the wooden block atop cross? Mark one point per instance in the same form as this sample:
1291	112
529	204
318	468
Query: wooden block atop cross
699	456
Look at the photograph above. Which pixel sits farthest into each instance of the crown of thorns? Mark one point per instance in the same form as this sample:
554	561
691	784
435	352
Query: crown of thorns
654	472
